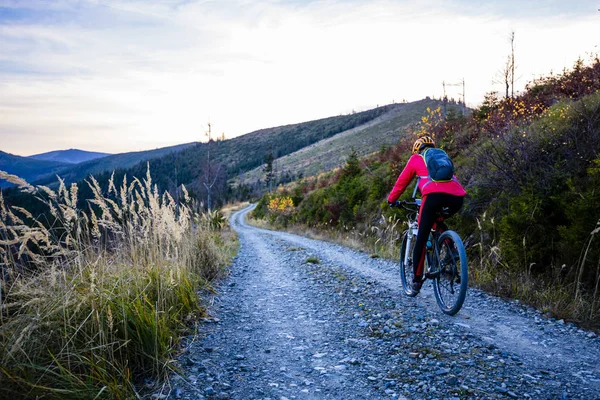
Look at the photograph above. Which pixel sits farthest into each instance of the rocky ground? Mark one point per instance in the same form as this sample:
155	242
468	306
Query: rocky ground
304	319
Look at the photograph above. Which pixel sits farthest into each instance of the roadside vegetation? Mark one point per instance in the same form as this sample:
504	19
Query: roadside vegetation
93	300
531	166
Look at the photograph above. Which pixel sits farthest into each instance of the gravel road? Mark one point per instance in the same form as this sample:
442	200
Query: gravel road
282	327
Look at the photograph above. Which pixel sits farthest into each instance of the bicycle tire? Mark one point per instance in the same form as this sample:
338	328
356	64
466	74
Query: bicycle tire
406	268
450	286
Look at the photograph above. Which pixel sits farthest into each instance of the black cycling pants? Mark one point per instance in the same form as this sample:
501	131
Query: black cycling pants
432	203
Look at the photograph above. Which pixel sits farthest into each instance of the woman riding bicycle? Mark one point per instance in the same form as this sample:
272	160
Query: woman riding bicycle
436	197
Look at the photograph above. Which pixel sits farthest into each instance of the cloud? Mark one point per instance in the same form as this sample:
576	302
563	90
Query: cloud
114	76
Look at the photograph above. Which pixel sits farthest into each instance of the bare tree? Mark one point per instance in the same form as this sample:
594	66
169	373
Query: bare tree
506	79
512	64
208	184
506	76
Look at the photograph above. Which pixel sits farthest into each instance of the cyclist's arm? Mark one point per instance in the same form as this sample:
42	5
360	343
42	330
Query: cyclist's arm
408	173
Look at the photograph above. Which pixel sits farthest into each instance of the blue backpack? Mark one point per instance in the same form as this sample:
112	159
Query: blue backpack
439	166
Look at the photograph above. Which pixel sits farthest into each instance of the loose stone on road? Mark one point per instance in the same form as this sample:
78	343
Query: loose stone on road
285	328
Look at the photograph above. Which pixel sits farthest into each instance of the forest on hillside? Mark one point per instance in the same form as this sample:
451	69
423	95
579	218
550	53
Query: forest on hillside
531	166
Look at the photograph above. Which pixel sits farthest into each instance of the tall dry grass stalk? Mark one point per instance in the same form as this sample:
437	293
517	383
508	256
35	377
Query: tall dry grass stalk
97	299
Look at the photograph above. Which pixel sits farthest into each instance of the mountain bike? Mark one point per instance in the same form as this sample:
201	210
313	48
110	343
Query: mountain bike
445	262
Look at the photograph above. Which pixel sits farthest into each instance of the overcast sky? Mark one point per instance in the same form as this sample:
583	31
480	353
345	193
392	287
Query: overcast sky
128	75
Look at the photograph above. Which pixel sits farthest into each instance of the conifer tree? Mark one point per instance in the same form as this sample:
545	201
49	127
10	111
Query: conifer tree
268	170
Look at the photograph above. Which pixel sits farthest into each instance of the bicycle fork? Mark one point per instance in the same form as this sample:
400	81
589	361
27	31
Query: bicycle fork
413	230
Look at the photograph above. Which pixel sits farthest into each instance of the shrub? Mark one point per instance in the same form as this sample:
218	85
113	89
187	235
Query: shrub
539	182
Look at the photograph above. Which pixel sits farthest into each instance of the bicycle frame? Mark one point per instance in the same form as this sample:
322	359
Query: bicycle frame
432	253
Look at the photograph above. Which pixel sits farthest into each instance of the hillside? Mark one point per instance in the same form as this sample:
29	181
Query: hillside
247	152
27	168
70	156
367	138
232	157
186	163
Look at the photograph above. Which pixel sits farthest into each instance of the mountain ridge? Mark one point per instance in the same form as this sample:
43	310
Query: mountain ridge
77	172
69	156
27	168
44	172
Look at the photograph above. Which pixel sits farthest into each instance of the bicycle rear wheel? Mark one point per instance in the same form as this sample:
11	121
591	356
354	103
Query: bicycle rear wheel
450	286
406	263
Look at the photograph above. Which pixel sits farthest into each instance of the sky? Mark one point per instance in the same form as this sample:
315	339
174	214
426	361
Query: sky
130	75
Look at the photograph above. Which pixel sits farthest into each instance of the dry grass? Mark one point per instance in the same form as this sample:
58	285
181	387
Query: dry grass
261	223
229	209
554	295
100	297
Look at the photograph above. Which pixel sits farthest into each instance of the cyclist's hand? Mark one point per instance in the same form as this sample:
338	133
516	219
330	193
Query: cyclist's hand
395	204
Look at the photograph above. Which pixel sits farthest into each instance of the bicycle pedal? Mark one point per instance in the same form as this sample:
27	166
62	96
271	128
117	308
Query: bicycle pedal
432	275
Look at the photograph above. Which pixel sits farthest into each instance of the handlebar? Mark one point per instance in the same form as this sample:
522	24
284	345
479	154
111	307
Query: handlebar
406	204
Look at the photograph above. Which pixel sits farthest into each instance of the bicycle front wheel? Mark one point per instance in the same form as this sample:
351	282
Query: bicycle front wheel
406	263
450	286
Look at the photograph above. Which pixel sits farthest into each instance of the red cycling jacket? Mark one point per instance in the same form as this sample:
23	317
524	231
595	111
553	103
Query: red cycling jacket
416	166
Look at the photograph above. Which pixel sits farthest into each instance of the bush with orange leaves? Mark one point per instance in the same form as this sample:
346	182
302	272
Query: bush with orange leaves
281	205
431	124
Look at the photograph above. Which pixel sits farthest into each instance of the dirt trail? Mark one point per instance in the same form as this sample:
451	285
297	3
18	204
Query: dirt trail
341	329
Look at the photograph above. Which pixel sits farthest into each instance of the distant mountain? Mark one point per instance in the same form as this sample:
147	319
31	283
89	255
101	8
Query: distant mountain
44	172
71	156
109	163
28	168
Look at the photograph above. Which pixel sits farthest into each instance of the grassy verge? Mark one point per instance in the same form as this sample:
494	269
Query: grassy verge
229	209
552	294
382	243
96	301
